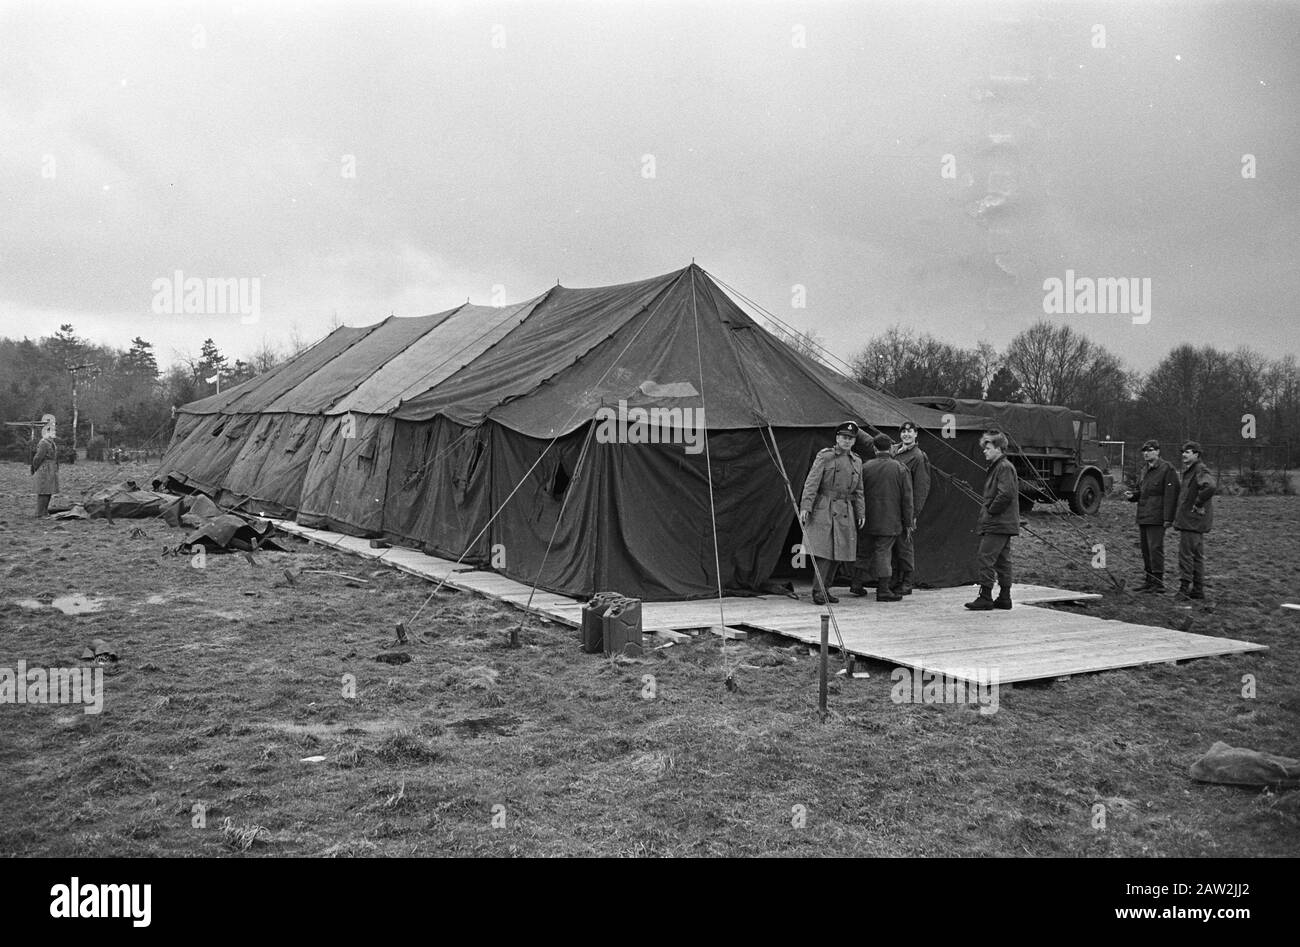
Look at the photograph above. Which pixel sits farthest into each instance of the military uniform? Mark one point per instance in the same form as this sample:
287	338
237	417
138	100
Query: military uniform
45	467
890	513
1156	496
1194	517
903	557
833	500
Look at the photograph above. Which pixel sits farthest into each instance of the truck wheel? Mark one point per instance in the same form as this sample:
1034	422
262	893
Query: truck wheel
1086	500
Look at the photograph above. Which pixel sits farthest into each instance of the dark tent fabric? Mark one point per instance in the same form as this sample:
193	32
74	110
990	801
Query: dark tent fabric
478	433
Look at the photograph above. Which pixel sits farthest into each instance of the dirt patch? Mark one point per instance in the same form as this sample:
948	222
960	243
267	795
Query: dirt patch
68	604
502	725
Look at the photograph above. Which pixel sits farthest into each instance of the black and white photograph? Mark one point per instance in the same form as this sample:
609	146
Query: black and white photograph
710	429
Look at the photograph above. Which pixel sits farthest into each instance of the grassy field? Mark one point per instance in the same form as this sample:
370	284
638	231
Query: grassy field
230	675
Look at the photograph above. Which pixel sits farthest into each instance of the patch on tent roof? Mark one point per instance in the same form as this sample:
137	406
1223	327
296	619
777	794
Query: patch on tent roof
674	389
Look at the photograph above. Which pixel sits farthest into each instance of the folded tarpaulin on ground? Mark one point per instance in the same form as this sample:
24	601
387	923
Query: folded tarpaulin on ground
126	501
1240	767
228	531
199	506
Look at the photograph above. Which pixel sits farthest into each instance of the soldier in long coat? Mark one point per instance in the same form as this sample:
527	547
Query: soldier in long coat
832	511
45	467
888	489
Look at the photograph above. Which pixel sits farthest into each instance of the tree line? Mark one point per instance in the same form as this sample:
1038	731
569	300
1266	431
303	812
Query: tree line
1194	393
121	398
1201	393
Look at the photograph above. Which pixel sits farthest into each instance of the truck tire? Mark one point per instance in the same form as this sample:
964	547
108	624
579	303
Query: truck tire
1086	499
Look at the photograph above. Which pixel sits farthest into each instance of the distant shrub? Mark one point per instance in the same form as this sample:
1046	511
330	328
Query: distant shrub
1252	482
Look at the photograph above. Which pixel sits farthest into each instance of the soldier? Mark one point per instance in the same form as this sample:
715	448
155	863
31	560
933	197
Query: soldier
999	520
45	467
1194	519
831	511
888	489
1157	499
903	557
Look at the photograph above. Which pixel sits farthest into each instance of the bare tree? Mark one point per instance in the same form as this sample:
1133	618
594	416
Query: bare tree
807	343
297	344
906	365
265	357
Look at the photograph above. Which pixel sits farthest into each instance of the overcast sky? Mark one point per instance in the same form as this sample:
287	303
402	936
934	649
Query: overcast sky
930	164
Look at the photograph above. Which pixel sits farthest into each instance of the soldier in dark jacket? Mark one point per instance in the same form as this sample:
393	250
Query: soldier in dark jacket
45	467
1156	497
903	557
887	487
1193	520
831	511
999	520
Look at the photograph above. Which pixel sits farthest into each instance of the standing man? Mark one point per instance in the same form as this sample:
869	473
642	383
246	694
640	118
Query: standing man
903	557
45	467
1193	521
1156	497
888	488
831	511
999	520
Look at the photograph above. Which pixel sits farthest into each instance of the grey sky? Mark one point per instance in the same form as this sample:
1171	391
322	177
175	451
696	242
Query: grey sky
793	145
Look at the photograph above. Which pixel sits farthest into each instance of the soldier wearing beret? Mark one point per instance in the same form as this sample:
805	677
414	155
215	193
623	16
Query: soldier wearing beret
1193	520
832	510
1156	497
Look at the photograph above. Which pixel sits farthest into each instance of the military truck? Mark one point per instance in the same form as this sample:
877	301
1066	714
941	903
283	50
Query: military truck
1054	449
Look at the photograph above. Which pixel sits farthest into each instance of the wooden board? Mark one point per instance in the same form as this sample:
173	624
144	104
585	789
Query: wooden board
928	630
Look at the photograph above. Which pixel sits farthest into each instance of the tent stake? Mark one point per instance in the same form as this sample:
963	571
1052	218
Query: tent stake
821	683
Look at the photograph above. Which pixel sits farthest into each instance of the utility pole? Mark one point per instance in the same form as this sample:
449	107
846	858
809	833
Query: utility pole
72	370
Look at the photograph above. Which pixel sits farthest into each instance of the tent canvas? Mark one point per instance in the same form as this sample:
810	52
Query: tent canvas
477	434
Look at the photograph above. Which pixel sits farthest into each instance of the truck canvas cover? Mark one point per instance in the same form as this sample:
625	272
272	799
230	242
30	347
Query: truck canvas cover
1030	426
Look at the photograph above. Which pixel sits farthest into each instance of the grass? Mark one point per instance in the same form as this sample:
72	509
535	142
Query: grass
230	677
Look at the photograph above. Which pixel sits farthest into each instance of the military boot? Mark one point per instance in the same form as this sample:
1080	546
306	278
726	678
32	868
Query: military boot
984	602
883	594
1004	597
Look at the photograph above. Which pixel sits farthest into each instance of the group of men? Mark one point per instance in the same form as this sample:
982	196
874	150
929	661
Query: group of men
1165	499
864	514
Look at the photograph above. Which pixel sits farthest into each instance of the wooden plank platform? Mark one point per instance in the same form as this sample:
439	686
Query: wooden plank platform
928	631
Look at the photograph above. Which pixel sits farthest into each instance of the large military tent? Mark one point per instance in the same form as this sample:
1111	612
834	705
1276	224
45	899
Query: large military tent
484	433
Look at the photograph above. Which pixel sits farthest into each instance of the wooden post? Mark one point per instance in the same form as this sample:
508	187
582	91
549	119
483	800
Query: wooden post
821	684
